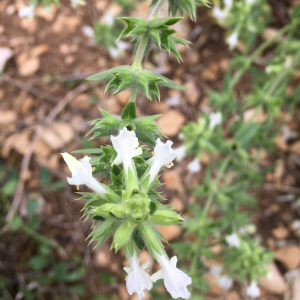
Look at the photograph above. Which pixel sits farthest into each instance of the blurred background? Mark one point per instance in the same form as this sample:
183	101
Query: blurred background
45	107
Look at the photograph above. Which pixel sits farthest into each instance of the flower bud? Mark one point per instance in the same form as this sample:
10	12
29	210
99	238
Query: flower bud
110	210
166	218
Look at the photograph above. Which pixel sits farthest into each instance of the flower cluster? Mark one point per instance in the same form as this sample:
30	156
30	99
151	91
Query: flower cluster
130	210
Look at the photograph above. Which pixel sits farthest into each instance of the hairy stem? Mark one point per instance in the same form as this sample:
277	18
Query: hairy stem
144	42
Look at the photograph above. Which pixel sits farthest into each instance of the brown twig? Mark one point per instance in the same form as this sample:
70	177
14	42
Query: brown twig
32	90
284	189
38	133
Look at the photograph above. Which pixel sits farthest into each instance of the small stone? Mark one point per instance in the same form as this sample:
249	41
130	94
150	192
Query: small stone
275	283
39	50
289	256
280	233
27	65
123	97
213	285
233	295
81	101
171	232
2	29
171	122
69	60
102	258
58	135
177	204
7	117
173	181
192	94
295	148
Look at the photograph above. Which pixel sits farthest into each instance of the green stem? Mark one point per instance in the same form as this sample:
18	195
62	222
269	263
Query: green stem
140	52
259	50
158	7
294	64
133	94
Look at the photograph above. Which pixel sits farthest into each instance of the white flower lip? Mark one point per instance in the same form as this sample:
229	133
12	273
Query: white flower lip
175	280
82	173
232	40
124	144
225	282
136	152
253	290
233	240
215	119
163	155
194	166
138	279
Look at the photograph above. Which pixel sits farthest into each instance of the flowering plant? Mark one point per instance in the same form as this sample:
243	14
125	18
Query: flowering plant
123	201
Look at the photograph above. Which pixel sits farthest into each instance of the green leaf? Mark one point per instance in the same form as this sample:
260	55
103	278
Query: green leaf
129	111
123	234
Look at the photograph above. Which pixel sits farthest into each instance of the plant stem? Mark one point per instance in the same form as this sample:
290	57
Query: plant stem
158	7
133	94
143	45
259	50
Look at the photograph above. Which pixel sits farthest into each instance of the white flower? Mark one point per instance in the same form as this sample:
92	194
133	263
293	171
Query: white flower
136	152
138	279
109	18
216	270
163	155
215	119
233	240
74	3
232	40
82	174
124	144
119	49
253	290
175	280
225	282
26	11
219	14
88	31
194	166
251	229
228	4
181	153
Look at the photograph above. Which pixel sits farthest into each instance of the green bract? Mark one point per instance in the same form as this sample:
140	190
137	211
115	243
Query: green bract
189	6
125	77
157	31
145	128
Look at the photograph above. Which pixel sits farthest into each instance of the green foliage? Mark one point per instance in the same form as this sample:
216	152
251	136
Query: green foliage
125	77
157	31
181	6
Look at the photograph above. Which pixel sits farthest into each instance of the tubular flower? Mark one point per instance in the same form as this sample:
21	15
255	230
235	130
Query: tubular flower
124	144
253	290
232	40
175	280
233	240
225	282
163	155
82	173
215	119
136	152
194	166
138	279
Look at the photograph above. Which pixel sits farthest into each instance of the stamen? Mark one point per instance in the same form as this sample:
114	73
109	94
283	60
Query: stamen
78	187
94	169
152	152
126	278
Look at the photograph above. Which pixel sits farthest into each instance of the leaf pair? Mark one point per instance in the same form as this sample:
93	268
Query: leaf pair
125	77
158	32
181	6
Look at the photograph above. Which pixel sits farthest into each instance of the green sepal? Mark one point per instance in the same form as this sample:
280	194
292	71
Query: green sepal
138	239
166	218
102	233
109	210
123	234
153	207
135	26
129	111
151	238
98	218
